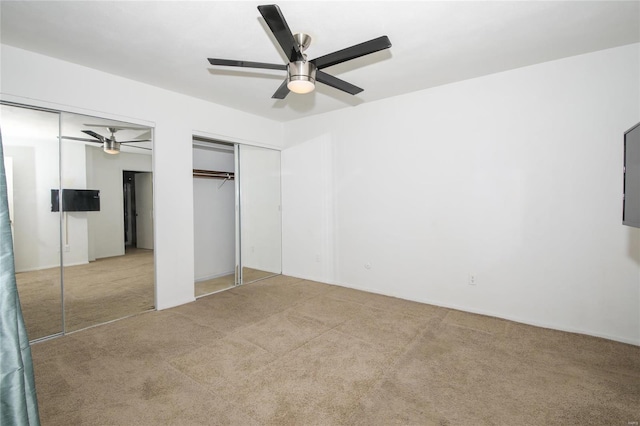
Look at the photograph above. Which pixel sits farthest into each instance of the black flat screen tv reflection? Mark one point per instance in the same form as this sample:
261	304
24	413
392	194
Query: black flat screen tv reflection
76	200
631	197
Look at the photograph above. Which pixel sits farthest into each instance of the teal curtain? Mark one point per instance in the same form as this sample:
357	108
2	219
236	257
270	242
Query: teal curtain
18	403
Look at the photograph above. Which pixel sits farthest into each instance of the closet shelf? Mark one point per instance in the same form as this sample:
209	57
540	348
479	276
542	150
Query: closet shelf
212	174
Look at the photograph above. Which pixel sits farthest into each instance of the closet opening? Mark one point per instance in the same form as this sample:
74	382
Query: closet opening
237	214
215	216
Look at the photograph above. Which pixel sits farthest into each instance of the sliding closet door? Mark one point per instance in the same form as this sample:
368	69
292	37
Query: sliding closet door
260	213
107	224
30	139
237	221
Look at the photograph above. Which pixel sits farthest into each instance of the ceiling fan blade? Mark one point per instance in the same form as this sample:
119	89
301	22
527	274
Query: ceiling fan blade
80	139
95	135
332	81
282	91
278	26
136	140
352	52
247	64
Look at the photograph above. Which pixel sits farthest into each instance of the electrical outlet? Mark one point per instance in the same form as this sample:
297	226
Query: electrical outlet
67	248
472	279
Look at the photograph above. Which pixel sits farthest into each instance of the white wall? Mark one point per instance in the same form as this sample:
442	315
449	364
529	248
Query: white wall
214	215
35	79
106	227
514	177
34	175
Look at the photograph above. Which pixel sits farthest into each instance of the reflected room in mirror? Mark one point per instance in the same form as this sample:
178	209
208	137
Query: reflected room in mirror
108	254
77	263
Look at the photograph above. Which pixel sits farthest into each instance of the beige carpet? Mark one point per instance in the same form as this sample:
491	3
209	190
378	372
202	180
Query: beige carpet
284	351
98	292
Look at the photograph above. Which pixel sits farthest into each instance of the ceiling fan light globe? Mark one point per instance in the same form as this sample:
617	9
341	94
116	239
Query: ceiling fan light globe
111	147
301	86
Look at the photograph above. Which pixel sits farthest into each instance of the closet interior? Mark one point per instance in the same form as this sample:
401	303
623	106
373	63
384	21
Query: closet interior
214	210
237	214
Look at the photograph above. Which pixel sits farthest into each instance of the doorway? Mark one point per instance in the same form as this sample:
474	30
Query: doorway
137	191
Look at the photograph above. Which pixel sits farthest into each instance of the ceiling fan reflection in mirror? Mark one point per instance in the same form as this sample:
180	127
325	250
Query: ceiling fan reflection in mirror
109	144
302	74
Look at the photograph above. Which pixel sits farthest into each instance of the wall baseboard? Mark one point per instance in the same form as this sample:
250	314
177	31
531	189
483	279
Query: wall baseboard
42	268
211	277
635	342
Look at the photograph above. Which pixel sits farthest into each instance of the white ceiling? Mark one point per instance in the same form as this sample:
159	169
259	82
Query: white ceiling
167	43
25	124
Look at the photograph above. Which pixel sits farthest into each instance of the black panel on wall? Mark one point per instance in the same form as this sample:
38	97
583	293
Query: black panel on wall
76	200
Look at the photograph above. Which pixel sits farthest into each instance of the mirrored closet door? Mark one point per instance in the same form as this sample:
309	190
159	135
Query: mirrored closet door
107	226
31	156
81	198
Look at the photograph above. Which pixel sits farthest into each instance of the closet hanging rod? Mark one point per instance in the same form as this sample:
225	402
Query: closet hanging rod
213	174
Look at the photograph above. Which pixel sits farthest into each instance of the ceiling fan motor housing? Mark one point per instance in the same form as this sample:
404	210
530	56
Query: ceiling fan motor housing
301	71
110	146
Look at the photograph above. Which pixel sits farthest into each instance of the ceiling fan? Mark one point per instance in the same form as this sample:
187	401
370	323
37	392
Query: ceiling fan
109	145
302	74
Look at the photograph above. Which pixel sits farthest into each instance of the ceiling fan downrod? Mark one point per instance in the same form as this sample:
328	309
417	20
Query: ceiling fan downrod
303	40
